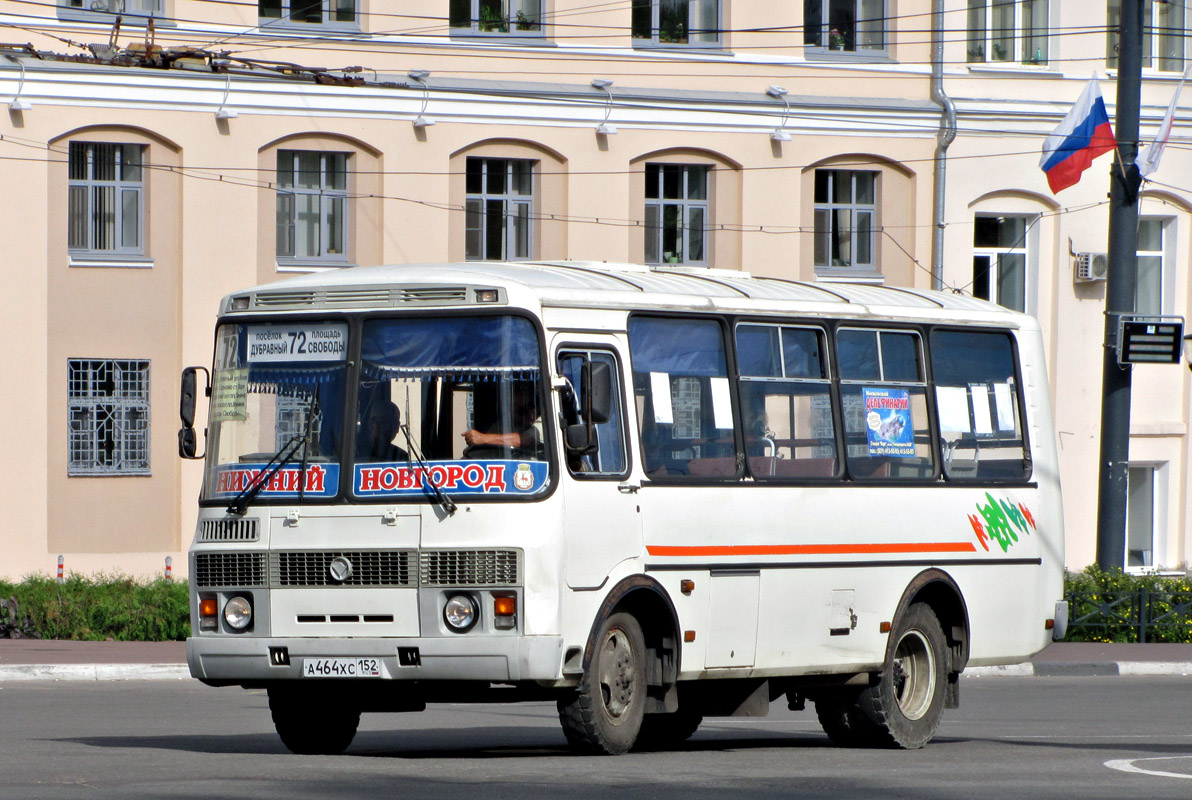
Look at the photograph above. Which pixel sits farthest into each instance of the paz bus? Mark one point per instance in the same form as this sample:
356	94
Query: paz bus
648	494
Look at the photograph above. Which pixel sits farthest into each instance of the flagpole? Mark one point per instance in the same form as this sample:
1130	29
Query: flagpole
1124	182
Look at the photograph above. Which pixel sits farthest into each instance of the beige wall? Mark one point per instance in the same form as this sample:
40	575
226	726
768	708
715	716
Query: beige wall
211	208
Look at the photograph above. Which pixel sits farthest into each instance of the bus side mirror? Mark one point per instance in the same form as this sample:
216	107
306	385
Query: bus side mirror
187	440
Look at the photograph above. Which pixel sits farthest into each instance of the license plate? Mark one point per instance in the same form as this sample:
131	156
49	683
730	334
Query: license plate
341	667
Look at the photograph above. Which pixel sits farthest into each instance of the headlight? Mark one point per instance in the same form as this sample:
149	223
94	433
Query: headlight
460	613
238	613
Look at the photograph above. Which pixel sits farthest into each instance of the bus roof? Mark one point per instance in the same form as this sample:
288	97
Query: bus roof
589	284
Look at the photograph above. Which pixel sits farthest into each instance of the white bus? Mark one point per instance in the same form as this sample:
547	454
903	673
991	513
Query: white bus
651	495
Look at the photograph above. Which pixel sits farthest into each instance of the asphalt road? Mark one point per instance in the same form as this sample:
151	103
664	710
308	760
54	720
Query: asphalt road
1012	738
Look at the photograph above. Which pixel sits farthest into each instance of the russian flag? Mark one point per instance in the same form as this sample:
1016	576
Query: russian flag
1080	137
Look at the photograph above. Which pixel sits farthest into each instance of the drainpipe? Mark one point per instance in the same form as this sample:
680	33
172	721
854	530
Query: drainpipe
944	138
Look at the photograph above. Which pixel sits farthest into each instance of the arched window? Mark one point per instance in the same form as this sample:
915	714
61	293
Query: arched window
687	199
514	202
324	187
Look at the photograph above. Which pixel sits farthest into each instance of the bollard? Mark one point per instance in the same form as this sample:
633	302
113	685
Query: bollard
60	562
169	568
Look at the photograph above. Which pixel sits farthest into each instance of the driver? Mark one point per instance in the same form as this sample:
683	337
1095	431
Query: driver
522	415
377	431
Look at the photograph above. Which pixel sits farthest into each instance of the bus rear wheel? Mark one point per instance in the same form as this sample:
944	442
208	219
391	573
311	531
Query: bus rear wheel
841	718
604	714
312	725
906	702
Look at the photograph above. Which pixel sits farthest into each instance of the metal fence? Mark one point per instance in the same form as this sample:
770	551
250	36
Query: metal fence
1140	616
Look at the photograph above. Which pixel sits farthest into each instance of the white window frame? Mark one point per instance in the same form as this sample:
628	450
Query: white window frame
137	12
328	197
327	17
1158	36
830	207
695	8
83	191
1164	254
516	211
98	419
1024	247
513	16
656	228
1156	476
981	46
829	39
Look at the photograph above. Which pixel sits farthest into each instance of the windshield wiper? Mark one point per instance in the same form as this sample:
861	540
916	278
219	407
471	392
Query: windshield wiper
429	485
282	457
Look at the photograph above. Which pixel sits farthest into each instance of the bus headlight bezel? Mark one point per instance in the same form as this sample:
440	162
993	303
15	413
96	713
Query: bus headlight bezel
237	612
461	612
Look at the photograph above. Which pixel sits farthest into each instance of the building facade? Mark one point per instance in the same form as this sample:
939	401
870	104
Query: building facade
159	154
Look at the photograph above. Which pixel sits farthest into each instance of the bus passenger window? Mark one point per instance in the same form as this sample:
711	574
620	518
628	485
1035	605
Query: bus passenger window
609	456
976	395
786	402
883	392
684	405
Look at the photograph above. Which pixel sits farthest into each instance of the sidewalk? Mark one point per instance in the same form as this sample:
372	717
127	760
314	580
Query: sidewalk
48	660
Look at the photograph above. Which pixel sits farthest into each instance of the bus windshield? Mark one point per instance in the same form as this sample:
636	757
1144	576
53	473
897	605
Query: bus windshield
276	411
456	401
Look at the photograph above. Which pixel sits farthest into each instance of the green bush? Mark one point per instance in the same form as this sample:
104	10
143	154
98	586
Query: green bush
1111	606
103	607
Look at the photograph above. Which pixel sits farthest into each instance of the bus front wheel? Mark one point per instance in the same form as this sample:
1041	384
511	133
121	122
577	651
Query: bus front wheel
604	714
907	700
310	727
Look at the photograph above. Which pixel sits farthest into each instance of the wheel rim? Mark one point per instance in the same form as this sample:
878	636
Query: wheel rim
914	675
617	674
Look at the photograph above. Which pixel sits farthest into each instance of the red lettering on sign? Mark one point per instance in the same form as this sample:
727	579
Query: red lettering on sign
496	478
473	475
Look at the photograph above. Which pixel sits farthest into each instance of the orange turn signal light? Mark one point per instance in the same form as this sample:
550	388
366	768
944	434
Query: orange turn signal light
208	607
504	606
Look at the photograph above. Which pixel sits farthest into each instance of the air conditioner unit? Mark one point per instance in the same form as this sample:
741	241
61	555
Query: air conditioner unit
103	6
1090	267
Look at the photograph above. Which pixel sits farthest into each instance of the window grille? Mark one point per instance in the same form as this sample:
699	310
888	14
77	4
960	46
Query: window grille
108	414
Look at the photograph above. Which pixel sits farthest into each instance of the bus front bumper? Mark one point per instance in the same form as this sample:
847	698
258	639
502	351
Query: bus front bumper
230	659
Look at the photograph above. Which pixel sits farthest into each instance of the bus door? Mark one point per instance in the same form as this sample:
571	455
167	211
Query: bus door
602	522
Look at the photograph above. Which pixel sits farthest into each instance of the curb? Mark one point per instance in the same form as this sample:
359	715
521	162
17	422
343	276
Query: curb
94	672
1065	669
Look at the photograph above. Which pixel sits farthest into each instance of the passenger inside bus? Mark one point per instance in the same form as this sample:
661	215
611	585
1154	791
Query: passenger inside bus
378	428
505	429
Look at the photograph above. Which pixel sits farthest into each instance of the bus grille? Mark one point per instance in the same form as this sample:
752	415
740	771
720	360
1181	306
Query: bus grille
369	568
229	569
266	299
437	294
470	568
228	530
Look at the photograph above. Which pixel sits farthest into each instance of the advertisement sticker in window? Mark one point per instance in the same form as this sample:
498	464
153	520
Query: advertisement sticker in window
888	424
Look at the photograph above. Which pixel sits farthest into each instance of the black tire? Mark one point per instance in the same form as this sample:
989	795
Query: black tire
841	718
666	731
907	700
604	714
306	728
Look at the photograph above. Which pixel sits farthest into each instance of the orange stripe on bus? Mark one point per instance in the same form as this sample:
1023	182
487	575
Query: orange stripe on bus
811	549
